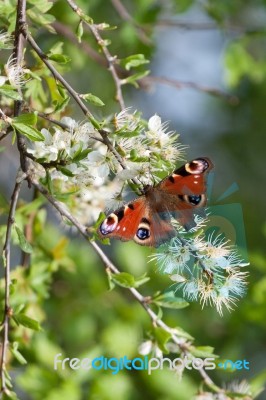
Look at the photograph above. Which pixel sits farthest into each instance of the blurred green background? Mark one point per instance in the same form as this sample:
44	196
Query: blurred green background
220	44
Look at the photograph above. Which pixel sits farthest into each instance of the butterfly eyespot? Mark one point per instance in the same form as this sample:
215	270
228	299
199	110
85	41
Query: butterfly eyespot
197	166
143	233
109	224
194	200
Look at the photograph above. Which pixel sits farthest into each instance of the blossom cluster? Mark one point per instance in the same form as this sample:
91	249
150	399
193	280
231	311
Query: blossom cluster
77	159
207	269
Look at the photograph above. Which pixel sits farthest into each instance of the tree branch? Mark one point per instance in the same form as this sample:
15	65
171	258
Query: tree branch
148	80
7	308
18	57
109	58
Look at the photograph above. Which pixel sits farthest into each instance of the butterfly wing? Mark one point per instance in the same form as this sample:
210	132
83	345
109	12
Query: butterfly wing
190	179
185	190
147	220
136	221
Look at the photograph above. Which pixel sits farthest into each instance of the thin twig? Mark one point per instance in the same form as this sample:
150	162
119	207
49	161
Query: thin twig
192	85
187	25
147	81
7	309
18	57
109	58
108	264
124	14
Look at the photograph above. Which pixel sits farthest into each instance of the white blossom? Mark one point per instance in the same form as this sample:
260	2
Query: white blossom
6	40
126	120
15	73
157	131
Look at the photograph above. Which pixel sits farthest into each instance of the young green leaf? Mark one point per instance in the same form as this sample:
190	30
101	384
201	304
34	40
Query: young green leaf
80	155
96	101
60	106
133	61
23	319
8	91
141	280
132	79
16	353
124	279
65	171
28	119
23	243
31	133
59	58
80	31
169	300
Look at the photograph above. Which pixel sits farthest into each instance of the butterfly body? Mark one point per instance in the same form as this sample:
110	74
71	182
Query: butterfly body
147	219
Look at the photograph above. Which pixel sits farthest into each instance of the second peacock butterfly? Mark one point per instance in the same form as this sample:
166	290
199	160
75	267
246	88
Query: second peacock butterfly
147	219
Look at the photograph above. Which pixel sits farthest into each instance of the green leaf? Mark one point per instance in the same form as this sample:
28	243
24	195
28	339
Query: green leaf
106	27
94	122
135	157
23	243
141	280
162	338
23	319
31	133
80	31
57	48
124	279
8	91
42	5
28	119
60	106
59	58
133	61
80	154
128	134
169	300
17	354
65	171
40	18
132	79
62	91
87	19
96	101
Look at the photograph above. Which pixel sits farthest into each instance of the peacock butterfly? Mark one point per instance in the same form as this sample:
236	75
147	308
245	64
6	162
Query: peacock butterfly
147	220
